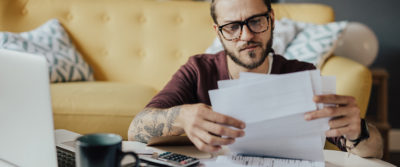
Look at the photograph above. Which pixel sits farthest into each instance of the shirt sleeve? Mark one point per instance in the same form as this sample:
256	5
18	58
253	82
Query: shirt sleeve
181	89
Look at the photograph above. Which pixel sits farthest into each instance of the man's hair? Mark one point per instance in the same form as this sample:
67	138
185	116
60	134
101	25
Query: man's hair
214	15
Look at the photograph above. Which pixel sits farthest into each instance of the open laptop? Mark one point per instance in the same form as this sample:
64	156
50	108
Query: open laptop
27	136
26	122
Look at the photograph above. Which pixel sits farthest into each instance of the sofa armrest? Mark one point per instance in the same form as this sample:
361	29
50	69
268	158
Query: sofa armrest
352	79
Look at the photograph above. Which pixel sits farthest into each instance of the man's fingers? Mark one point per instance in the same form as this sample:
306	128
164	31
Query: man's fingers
339	122
213	140
334	99
337	132
327	112
224	119
351	132
221	130
203	146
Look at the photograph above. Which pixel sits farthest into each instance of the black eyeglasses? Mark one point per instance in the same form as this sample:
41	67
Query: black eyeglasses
256	24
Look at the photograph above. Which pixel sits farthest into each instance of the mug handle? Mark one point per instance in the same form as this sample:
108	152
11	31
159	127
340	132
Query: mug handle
123	154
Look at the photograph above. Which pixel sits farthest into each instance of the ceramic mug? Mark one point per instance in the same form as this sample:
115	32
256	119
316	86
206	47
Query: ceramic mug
101	150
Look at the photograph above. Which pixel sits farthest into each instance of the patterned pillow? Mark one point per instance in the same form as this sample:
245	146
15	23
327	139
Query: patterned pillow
315	43
52	41
284	33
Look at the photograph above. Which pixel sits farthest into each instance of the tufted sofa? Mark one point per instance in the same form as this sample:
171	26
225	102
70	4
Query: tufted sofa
134	47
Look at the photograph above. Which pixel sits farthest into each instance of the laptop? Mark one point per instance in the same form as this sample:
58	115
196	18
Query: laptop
26	122
27	136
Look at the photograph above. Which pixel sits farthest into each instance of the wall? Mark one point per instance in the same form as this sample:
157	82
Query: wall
382	18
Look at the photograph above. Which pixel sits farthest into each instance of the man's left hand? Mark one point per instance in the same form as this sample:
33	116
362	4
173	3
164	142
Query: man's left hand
345	120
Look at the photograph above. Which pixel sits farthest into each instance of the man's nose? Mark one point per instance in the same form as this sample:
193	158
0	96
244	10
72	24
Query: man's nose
246	35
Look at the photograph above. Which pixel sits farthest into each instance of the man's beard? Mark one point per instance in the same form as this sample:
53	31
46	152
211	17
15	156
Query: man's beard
252	54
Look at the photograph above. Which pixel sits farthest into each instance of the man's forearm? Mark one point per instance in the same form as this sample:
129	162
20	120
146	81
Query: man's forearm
154	122
372	147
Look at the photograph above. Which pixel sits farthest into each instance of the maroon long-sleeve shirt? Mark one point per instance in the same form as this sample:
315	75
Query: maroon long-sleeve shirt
191	83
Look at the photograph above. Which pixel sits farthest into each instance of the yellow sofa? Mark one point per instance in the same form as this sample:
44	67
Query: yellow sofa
134	48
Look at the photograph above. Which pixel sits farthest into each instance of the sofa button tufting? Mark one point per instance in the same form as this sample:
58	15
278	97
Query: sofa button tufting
105	52
24	11
178	19
142	19
141	53
178	54
70	17
106	18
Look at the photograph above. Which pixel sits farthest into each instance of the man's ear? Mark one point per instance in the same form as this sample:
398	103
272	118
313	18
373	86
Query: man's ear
215	26
272	18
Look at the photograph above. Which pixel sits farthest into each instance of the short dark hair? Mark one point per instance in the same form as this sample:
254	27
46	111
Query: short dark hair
214	15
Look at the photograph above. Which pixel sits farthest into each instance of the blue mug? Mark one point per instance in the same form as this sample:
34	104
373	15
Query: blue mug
101	150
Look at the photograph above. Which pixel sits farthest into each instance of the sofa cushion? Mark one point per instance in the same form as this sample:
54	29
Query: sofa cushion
52	41
88	107
315	43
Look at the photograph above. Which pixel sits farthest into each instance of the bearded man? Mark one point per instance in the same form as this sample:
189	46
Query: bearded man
245	28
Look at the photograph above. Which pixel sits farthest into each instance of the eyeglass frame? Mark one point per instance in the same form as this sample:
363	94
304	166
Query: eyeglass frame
245	22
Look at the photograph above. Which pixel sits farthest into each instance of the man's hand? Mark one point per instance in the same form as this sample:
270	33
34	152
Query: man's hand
345	117
207	129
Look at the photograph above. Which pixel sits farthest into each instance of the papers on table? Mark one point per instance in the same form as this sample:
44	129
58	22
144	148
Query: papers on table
273	108
243	161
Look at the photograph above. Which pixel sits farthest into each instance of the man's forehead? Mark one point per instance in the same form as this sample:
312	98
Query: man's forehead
238	10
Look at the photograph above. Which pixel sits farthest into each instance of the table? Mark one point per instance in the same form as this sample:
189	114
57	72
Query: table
332	158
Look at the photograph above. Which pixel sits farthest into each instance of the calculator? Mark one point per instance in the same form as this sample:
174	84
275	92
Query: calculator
170	159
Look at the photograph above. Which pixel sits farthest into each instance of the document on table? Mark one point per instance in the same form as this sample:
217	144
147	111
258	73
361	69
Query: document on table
244	161
273	108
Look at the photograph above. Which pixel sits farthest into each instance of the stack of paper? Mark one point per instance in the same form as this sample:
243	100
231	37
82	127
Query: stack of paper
273	107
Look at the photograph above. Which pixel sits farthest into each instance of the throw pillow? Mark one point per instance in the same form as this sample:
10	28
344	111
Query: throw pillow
315	43
51	40
285	31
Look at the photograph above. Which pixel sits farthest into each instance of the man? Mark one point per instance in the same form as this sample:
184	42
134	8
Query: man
245	28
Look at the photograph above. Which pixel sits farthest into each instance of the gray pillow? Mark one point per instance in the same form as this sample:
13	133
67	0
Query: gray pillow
51	41
315	43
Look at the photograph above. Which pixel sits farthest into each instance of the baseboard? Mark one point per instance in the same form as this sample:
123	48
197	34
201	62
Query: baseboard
394	140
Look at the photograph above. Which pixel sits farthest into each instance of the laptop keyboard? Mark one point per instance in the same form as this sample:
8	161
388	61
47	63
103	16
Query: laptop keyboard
65	157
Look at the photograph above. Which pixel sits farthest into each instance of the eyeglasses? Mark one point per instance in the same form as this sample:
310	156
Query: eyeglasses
256	24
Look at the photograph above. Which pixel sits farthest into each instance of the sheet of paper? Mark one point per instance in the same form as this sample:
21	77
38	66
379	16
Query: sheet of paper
328	87
315	76
260	100
321	85
244	161
265	99
286	137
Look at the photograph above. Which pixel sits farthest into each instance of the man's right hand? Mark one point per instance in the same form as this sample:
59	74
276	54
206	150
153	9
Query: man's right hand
207	129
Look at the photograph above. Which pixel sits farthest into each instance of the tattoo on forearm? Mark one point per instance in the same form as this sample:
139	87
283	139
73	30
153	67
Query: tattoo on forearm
153	122
172	117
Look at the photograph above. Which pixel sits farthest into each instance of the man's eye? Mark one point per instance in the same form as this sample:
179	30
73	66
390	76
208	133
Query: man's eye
232	27
255	21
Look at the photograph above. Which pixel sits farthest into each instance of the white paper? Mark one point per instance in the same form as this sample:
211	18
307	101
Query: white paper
273	108
286	137
244	161
265	99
